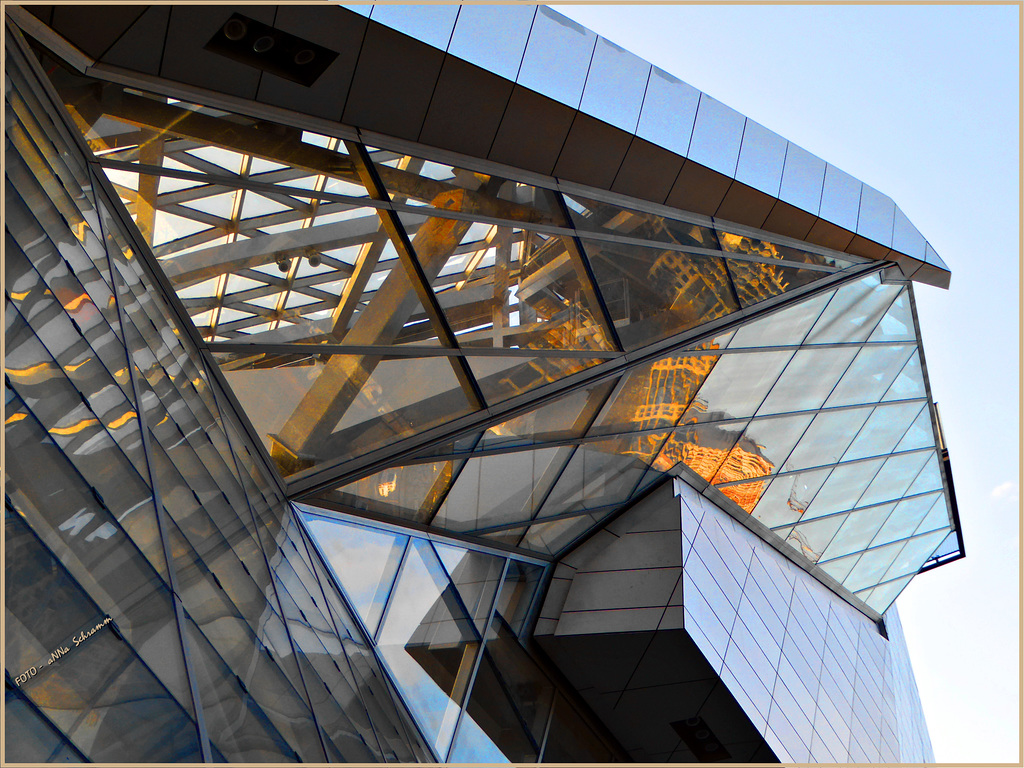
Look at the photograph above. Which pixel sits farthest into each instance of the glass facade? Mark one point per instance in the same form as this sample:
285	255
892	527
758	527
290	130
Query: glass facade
302	422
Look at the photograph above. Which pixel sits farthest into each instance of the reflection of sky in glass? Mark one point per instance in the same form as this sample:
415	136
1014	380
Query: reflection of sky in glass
363	559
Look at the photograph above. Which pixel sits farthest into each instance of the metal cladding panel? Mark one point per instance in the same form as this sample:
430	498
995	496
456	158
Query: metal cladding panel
813	673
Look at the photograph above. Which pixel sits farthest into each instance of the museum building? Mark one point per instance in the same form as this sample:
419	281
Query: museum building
446	384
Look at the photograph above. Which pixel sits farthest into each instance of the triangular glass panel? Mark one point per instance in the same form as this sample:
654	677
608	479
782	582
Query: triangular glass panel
553	536
500	490
869	375
859	529
652	293
754	246
886	426
812	539
737	385
894	477
220	205
881	597
846	481
315	408
920	433
906	518
411	492
840	568
517	594
429	645
755	281
937	517
764	446
788	497
897	324
871	567
415	181
853	312
909	383
786	326
827	438
807	380
596	216
501	378
655	396
476	576
705	448
364	561
507	287
913	554
930	478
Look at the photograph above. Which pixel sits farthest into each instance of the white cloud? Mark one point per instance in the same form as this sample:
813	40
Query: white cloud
1007	490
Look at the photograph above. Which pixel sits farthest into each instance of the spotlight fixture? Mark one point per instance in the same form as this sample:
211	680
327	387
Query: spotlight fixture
272	50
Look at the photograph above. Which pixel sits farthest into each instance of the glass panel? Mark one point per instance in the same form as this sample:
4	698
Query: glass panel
920	433
412	491
872	565
668	112
897	323
937	517
853	312
500	378
615	86
893	478
37	740
314	408
883	429
786	326
930	478
655	395
564	418
507	287
807	380
491	729
517	594
428	644
364	560
882	596
734	243
710	450
652	294
913	555
531	691
827	438
495	490
910	382
846	482
557	57
493	37
763	448
906	518
812	539
858	530
591	215
788	497
600	473
870	375
475	576
737	385
552	537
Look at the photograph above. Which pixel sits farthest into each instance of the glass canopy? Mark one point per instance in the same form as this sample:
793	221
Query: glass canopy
539	359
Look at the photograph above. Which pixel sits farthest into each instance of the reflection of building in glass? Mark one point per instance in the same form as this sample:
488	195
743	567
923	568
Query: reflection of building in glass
379	392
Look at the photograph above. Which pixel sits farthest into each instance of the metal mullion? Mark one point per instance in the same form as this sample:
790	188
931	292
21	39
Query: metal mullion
542	395
588	281
160	511
270	571
394	228
903	541
386	609
451	484
545	519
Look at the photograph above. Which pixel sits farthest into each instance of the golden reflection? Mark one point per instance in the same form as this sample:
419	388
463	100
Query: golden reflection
76	302
122	420
76	366
15	417
74	428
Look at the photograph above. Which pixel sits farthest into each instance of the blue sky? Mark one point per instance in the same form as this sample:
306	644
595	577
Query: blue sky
922	103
